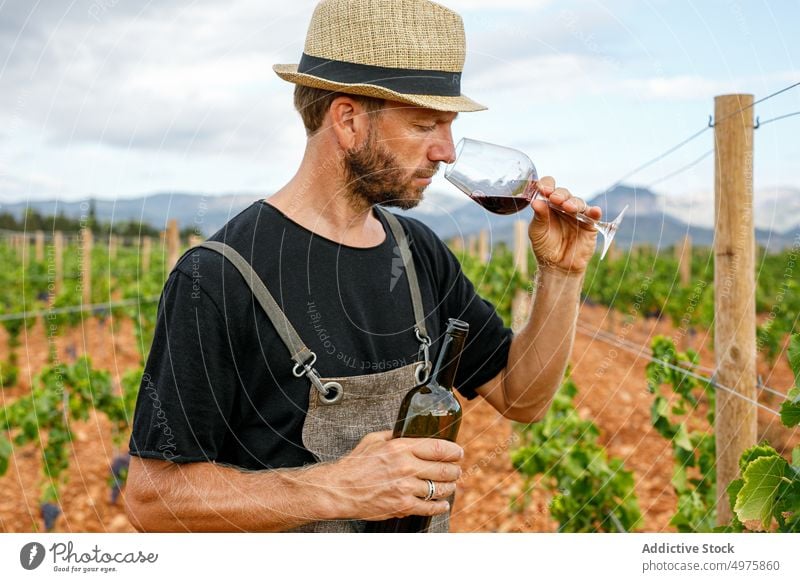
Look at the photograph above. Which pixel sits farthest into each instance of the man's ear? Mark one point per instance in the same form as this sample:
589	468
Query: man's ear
349	122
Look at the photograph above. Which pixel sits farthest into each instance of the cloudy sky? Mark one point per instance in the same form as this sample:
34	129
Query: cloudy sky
116	98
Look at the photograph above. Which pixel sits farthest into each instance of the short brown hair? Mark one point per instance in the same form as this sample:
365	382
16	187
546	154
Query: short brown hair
313	104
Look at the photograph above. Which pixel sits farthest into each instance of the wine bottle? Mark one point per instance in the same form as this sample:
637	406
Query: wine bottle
430	410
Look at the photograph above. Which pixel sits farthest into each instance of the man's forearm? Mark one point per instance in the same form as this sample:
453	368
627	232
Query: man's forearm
540	351
213	497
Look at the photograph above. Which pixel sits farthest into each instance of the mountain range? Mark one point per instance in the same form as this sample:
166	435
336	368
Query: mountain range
652	219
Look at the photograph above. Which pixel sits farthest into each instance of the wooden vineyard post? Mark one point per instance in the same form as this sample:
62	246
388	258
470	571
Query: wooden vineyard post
483	246
734	284
86	265
25	248
112	247
683	253
39	238
58	262
147	248
162	250
472	246
457	244
173	242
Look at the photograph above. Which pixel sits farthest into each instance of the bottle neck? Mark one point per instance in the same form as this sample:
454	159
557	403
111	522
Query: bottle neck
444	372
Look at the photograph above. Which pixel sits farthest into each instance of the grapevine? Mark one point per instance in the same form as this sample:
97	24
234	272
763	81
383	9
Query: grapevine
591	492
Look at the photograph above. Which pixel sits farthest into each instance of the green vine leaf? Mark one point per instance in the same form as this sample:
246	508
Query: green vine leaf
758	498
5	453
790	408
753	453
682	438
733	492
794	357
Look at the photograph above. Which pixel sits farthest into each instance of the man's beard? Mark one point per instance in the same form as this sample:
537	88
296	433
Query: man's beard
373	176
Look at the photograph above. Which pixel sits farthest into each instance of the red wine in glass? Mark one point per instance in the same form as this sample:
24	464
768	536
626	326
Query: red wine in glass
500	204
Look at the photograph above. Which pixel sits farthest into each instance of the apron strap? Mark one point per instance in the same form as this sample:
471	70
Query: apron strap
416	296
303	357
408	263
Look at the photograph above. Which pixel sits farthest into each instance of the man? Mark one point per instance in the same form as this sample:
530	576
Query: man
285	343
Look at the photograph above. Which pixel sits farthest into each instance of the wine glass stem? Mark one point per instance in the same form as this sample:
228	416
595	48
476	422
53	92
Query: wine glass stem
580	217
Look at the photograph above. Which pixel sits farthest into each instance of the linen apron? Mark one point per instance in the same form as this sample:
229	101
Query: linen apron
342	410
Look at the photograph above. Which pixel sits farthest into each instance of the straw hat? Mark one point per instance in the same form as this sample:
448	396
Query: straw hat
410	51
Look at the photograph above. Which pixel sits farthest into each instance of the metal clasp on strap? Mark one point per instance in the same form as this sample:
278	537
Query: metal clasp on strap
423	369
329	392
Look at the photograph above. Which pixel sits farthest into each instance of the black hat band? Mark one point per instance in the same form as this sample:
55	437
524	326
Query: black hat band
407	81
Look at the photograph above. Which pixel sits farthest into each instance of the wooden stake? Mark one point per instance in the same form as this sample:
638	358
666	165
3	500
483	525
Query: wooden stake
25	249
683	253
472	246
58	261
173	243
522	244
39	238
86	265
483	246
734	286
112	247
613	254
147	246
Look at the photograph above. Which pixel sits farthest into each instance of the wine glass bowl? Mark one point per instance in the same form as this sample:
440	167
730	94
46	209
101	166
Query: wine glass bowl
502	180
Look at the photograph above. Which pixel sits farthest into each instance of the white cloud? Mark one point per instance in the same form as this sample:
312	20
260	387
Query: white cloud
15	187
547	77
776	208
681	87
196	79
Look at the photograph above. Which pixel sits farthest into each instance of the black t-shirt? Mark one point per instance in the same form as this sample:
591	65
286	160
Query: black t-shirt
218	382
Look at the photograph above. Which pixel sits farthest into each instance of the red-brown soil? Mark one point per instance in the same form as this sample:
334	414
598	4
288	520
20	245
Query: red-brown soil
612	392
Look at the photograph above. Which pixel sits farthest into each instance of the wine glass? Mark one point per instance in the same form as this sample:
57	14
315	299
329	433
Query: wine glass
501	179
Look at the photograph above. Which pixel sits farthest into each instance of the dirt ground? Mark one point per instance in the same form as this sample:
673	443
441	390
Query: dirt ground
612	392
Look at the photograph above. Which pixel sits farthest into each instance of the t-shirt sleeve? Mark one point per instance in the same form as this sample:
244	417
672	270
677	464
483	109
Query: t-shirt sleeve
188	386
486	351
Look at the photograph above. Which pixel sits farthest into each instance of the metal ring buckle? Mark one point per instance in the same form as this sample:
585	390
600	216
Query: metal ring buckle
422	372
422	338
323	389
329	387
306	367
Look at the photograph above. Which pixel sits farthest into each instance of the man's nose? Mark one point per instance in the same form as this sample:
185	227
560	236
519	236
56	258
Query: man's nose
443	149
